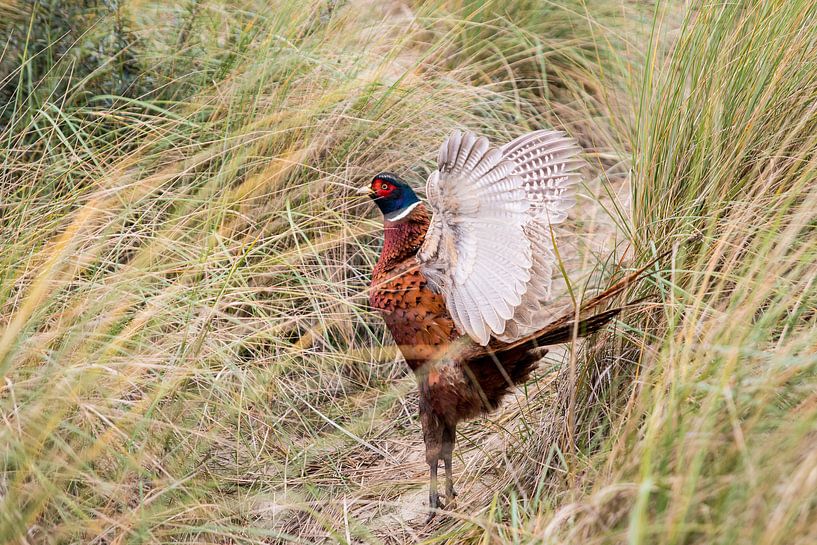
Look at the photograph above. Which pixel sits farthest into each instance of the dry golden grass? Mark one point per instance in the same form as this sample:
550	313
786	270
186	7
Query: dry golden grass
186	351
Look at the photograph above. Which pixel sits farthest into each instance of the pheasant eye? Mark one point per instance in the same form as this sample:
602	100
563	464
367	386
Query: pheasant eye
384	187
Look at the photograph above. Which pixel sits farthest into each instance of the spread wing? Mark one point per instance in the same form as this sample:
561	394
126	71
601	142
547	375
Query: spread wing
488	248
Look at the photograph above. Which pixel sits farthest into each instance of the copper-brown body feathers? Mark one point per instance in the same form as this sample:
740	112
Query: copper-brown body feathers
457	378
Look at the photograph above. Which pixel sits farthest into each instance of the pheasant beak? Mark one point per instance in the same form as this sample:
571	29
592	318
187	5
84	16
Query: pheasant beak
364	190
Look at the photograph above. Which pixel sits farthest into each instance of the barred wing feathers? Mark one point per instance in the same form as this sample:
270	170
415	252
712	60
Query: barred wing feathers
488	248
547	162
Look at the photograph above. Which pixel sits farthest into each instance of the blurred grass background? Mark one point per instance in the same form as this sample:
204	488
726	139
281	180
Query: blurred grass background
185	347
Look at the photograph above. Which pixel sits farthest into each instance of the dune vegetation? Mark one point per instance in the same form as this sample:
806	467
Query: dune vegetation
186	349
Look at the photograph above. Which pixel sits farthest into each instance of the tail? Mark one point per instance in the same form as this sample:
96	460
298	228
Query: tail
570	326
497	367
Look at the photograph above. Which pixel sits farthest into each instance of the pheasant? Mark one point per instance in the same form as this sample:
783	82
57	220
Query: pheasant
459	289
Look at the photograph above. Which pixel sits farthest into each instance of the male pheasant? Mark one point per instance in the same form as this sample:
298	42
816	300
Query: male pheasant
459	290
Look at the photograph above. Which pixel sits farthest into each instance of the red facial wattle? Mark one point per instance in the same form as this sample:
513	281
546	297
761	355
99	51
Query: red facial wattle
392	195
382	188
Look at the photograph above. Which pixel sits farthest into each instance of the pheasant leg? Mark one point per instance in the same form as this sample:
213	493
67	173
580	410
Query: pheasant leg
433	431
449	434
433	495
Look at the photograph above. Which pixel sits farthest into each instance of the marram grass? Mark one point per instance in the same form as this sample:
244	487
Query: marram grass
185	347
706	434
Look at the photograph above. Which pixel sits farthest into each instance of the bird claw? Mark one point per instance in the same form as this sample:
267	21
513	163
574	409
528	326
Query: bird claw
434	504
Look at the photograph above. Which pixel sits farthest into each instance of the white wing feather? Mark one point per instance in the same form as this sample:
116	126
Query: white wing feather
488	247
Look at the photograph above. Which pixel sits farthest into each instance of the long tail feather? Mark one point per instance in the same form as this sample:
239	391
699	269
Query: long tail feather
565	329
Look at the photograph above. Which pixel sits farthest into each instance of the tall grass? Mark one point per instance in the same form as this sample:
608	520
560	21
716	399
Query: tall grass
699	424
184	341
727	147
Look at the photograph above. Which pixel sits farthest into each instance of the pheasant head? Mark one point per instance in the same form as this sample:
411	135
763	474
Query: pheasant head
393	196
